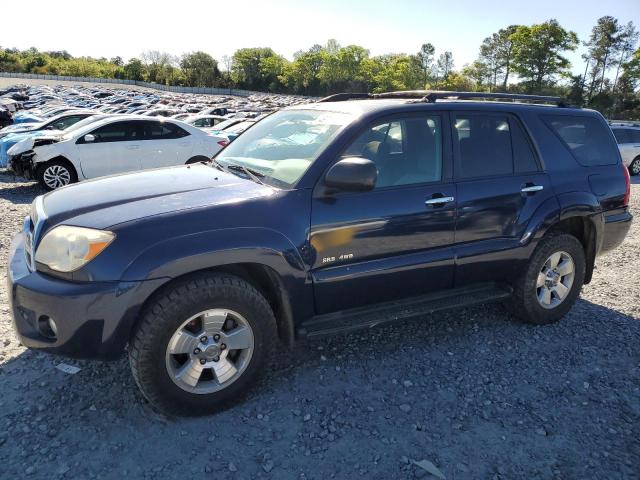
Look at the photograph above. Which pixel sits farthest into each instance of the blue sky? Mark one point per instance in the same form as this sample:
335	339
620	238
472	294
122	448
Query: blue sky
127	28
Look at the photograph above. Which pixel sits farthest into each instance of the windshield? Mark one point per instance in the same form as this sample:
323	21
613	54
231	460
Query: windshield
283	145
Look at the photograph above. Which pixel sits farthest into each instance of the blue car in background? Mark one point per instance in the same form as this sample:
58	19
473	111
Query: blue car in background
59	122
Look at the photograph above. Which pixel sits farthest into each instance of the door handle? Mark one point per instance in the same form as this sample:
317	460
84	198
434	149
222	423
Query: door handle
438	201
532	188
133	147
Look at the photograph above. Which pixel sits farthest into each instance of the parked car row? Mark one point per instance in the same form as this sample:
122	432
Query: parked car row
61	135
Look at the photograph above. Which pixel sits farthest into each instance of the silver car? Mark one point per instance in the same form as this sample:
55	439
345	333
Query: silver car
628	137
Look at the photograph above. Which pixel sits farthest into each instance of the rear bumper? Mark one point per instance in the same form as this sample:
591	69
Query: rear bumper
616	227
93	319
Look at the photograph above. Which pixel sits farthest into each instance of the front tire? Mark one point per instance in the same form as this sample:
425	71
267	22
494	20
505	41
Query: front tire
202	344
56	174
552	281
634	168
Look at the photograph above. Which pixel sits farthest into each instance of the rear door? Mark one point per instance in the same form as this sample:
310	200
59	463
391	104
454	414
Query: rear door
115	149
500	185
165	144
396	240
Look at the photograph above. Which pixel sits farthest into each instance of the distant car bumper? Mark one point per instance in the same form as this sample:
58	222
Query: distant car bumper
616	227
91	320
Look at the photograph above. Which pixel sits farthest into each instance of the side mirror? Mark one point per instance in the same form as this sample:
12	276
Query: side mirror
353	174
88	138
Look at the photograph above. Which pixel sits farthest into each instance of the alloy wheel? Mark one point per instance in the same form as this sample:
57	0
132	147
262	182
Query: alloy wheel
56	176
555	280
209	351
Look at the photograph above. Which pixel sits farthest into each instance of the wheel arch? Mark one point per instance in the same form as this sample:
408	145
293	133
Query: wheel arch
262	277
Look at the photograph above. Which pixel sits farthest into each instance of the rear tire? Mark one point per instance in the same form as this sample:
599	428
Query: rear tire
552	281
55	174
181	365
634	168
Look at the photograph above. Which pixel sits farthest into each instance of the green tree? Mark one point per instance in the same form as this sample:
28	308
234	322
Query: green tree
425	62
496	52
199	69
134	70
538	53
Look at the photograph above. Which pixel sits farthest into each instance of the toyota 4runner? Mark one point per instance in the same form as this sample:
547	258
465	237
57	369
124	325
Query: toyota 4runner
320	219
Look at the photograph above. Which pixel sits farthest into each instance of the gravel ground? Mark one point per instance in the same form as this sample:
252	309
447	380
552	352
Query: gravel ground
473	392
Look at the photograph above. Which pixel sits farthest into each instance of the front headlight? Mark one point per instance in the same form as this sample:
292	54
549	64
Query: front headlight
67	248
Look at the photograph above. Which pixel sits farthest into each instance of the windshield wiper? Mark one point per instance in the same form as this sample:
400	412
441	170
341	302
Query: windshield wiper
217	164
252	174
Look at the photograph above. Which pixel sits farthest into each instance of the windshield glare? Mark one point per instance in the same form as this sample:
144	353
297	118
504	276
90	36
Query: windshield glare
283	145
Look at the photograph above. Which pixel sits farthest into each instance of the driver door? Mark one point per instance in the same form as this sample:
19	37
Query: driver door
115	149
394	241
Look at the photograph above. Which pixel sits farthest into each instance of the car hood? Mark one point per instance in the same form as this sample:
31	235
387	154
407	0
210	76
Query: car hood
28	140
108	201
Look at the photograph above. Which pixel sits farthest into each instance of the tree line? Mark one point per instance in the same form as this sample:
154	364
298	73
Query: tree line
518	58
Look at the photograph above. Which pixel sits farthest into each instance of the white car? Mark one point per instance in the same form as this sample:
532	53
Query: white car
112	145
628	137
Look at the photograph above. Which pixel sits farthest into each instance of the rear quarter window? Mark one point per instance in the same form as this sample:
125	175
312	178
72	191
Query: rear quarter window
587	138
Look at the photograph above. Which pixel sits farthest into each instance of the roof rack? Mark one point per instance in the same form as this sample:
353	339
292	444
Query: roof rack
431	96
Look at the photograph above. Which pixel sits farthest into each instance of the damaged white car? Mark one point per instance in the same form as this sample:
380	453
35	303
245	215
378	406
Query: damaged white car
115	144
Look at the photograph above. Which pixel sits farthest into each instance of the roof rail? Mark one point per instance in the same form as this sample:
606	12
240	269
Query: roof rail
431	96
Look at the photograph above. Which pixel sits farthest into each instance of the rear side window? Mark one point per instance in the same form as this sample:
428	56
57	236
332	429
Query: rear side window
587	138
163	131
634	135
621	134
483	142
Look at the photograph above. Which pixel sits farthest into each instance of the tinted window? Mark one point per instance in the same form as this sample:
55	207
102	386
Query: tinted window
119	132
588	139
621	134
484	145
406	151
634	135
523	154
163	131
66	122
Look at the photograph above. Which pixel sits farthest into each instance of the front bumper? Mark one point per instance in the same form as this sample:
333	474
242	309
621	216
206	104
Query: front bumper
93	319
23	164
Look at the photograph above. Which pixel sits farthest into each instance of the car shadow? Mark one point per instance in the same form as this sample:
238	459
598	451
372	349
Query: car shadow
22	192
478	386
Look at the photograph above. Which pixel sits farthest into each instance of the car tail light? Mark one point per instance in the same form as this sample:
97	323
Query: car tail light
627	180
223	143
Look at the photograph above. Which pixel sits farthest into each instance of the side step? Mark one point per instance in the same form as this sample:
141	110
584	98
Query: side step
381	313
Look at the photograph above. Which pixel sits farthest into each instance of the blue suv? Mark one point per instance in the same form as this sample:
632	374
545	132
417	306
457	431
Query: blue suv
320	219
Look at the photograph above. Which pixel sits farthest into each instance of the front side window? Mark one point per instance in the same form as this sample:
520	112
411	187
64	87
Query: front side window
483	143
587	138
119	132
282	146
406	151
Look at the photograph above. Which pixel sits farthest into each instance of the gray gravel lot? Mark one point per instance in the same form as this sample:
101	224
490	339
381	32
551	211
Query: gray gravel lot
474	392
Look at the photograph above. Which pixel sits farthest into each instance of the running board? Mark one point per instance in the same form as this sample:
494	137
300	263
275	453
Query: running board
381	313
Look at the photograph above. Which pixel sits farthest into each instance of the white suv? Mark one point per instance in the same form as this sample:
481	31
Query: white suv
112	145
628	137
